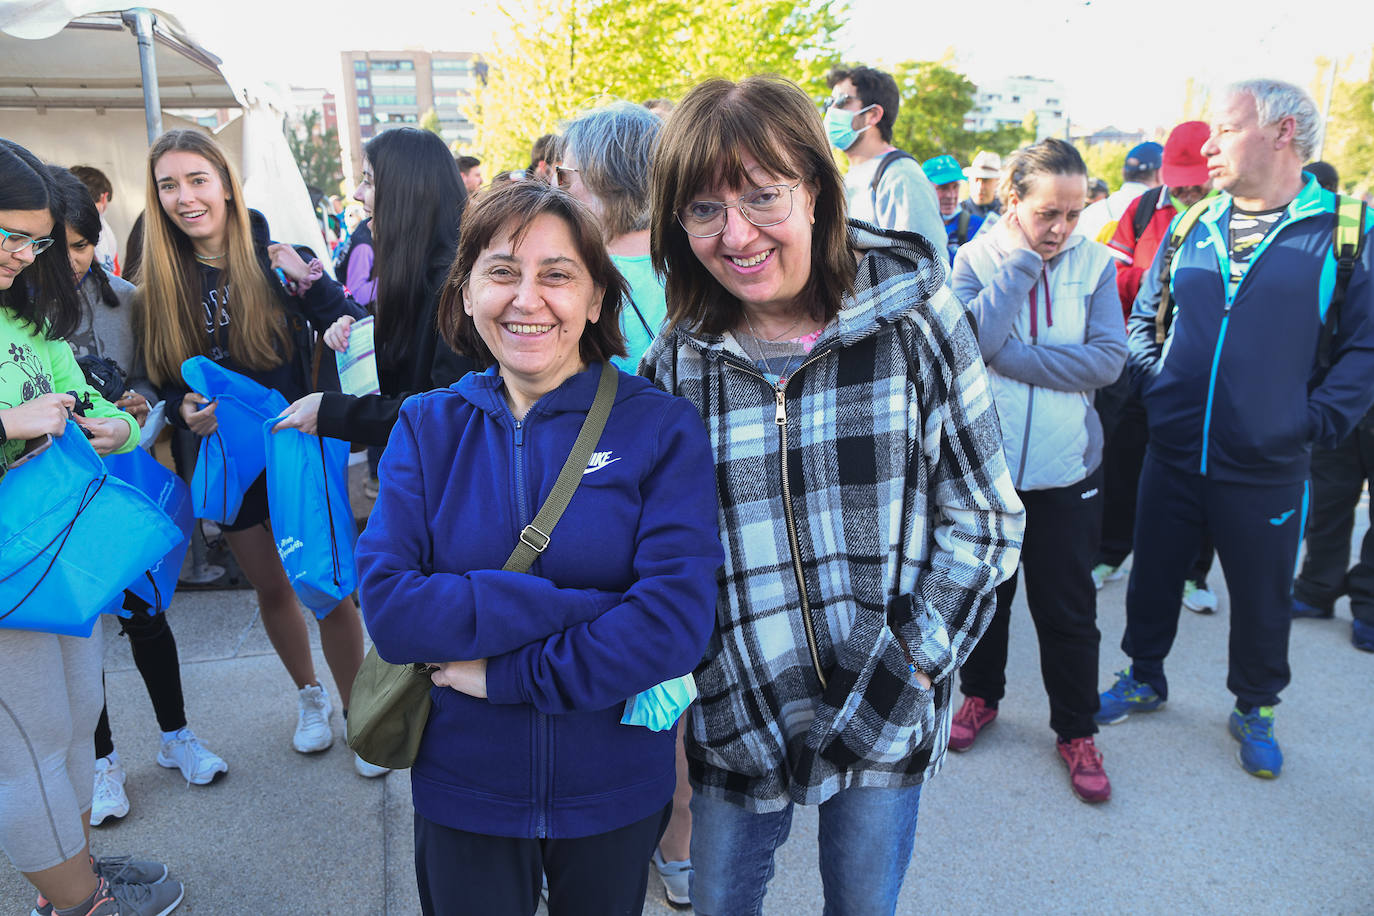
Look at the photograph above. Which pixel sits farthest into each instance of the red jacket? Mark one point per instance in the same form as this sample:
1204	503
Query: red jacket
1134	255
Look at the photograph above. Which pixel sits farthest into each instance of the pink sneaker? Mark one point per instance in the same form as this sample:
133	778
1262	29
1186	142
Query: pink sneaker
1084	760
972	717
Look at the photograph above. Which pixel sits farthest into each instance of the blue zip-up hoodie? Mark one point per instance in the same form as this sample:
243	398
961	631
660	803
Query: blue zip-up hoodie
1234	393
623	598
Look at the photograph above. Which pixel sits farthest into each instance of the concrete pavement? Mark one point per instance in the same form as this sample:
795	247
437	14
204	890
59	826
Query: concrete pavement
1186	830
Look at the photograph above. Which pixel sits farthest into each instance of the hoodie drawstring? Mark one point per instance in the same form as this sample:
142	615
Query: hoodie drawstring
1035	306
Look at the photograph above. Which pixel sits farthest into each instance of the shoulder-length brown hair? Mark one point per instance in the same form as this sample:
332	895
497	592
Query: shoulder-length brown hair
168	319
511	208
712	132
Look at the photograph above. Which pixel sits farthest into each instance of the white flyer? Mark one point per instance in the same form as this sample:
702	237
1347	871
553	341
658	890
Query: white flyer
358	363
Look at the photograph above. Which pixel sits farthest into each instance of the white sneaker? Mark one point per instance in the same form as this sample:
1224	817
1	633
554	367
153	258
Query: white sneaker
1199	598
313	733
368	770
1106	572
108	799
198	764
676	878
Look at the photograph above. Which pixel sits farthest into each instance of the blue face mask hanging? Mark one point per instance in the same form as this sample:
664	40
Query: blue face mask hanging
839	127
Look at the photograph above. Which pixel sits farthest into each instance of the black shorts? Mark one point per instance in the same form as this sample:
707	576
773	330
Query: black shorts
253	512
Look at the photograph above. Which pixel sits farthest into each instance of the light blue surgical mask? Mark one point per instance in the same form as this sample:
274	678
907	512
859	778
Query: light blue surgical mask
839	126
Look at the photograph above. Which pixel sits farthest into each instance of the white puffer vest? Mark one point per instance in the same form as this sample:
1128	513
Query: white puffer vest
1051	438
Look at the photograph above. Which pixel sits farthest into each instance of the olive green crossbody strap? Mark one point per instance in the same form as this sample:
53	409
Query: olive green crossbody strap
535	537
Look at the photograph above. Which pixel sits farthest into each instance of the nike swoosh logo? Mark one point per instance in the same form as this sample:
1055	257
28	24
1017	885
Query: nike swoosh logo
1280	519
596	467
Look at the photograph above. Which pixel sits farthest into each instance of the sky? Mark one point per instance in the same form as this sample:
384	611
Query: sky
1120	62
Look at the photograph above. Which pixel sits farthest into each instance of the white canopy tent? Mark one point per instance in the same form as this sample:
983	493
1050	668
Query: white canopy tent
72	91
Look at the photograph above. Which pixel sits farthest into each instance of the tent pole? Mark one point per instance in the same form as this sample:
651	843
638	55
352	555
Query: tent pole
140	22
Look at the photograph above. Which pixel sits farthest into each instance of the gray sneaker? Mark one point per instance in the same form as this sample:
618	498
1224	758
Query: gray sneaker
128	870
127	900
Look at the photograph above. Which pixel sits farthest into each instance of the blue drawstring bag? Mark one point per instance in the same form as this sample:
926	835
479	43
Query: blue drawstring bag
312	520
169	493
233	456
72	537
659	707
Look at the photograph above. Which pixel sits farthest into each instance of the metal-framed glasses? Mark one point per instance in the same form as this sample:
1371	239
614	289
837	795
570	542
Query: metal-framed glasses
764	207
15	242
837	101
564	176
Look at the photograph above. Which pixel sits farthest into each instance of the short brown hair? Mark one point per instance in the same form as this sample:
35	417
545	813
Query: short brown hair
515	206
718	125
95	180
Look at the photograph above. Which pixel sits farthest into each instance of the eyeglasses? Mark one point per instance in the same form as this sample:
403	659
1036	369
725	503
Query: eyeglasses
837	101
764	207
564	181
15	242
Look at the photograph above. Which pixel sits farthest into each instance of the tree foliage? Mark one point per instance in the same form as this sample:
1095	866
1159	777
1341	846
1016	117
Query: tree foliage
316	152
935	100
430	121
564	56
1349	142
1105	161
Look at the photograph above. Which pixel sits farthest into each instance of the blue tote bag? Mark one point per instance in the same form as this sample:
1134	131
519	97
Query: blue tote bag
312	520
170	494
233	456
72	538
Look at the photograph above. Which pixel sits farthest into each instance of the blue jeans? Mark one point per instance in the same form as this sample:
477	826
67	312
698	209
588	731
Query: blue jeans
866	837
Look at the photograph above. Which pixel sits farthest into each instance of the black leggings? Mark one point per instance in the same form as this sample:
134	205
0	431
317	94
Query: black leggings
155	654
603	875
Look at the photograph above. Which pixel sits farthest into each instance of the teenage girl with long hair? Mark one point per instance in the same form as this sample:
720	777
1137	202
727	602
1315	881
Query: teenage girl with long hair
414	195
106	330
208	288
50	690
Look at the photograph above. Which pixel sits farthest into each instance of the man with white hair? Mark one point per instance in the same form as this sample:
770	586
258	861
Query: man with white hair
1241	374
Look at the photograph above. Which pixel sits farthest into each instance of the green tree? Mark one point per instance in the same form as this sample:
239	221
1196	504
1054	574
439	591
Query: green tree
566	55
430	121
1349	142
317	152
1104	160
935	100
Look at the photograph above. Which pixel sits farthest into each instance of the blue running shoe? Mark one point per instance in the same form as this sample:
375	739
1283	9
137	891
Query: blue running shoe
1362	635
1301	609
1259	753
1124	697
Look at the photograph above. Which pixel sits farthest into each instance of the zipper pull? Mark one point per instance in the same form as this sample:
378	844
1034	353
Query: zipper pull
781	418
519	433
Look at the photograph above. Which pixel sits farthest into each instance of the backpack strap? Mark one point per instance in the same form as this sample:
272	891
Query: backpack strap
1164	315
1145	208
888	158
961	233
535	536
1347	238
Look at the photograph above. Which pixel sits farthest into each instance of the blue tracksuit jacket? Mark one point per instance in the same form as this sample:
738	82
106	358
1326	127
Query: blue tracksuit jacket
623	598
1234	393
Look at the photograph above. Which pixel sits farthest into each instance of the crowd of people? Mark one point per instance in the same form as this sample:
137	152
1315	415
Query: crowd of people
682	398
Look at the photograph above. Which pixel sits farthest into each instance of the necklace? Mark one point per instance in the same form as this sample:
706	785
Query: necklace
758	346
210	257
758	336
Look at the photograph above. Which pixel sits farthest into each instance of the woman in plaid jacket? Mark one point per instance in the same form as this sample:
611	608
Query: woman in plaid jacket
867	512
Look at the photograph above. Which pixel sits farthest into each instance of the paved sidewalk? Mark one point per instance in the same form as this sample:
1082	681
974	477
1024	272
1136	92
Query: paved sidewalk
999	831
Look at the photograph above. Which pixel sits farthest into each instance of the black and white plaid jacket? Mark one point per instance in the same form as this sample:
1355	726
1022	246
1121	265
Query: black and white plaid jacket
904	520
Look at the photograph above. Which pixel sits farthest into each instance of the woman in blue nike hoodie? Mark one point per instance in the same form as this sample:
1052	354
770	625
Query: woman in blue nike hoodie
525	764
